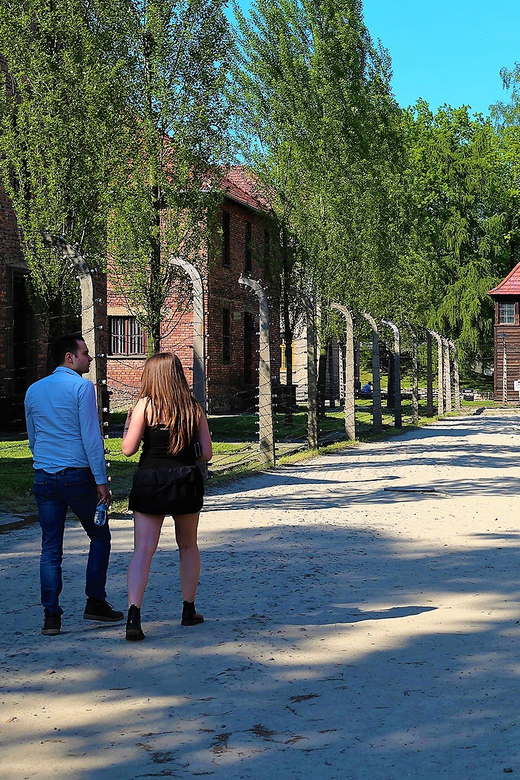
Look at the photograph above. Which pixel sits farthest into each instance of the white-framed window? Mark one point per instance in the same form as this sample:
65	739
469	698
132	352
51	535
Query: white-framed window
226	239
248	246
126	336
506	313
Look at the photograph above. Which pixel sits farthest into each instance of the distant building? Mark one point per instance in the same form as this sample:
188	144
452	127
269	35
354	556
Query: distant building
231	312
506	296
23	349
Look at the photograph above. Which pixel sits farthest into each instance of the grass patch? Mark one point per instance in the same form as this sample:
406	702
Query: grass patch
17	477
244	427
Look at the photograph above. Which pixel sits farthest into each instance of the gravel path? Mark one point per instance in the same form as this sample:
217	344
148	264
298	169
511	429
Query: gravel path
361	622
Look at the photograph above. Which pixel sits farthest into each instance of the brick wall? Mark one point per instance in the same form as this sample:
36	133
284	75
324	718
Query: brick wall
227	388
124	371
22	343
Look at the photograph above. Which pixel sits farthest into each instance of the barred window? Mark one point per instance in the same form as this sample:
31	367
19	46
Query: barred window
506	313
267	248
248	234
126	336
226	239
226	336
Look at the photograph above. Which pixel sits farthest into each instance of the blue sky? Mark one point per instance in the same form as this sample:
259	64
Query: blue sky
447	51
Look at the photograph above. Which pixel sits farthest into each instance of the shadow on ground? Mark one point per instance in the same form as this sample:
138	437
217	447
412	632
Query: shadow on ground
324	647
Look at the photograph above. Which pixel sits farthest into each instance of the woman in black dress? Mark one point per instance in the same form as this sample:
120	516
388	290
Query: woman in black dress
175	434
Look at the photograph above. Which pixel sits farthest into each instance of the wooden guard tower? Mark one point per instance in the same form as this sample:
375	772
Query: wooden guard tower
506	296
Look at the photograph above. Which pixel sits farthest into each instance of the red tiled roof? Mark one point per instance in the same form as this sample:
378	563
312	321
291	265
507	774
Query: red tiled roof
510	285
241	185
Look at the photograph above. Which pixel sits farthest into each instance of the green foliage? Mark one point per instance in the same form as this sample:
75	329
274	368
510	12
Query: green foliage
113	129
459	200
319	125
166	190
507	123
117	112
58	121
408	215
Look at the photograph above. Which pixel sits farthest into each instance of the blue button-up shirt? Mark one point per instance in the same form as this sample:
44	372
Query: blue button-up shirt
63	424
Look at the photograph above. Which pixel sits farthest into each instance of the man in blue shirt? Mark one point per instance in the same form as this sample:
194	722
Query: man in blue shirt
70	472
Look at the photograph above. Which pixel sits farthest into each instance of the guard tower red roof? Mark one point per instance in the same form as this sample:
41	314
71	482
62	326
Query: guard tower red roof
510	285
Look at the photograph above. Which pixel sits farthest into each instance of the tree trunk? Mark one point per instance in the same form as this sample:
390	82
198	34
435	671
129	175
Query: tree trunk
429	375
156	292
357	378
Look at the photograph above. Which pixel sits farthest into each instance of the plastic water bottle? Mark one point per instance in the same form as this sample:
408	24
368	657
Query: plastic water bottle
100	517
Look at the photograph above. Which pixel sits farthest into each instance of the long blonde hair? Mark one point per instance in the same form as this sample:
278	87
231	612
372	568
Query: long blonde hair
169	400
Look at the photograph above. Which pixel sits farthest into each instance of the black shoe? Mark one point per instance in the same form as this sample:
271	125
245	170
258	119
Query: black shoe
97	609
190	616
134	631
51	624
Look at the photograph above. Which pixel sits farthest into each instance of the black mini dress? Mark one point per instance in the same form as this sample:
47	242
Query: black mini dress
166	485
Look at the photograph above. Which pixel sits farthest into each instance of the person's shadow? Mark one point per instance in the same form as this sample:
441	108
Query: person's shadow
350	614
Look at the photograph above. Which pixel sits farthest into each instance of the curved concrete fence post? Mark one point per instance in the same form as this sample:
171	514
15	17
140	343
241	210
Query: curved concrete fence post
429	375
199	341
350	410
90	330
440	373
377	417
312	373
398	415
415	373
265	394
312	368
447	375
456	375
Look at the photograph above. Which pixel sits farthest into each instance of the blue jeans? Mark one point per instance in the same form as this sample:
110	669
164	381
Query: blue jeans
54	494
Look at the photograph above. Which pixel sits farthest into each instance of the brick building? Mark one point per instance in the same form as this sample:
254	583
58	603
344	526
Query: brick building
22	347
230	320
231	312
23	339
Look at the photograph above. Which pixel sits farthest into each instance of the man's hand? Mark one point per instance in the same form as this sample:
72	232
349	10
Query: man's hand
104	495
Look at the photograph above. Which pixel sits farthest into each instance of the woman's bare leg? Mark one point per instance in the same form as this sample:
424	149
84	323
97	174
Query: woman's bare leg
147	530
189	556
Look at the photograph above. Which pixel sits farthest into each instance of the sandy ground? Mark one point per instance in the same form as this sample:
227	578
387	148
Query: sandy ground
362	621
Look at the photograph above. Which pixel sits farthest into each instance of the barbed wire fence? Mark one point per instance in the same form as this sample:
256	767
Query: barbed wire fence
266	436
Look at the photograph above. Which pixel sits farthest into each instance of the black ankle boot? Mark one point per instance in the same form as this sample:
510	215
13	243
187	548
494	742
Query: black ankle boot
133	625
190	616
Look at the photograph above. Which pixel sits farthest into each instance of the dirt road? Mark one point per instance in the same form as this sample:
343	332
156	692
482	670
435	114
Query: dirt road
362	621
